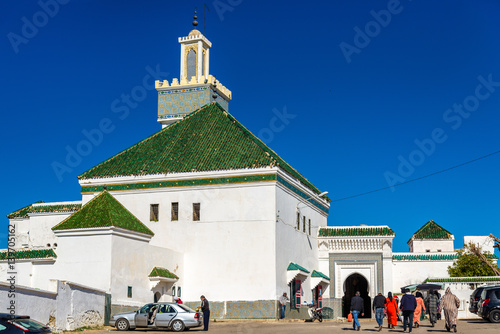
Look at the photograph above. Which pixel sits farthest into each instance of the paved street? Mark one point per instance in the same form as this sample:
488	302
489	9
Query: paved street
232	327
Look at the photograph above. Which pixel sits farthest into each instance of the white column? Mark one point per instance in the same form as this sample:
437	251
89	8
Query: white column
200	60
207	61
182	62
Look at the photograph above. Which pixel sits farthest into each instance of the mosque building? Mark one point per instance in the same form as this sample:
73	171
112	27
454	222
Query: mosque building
204	207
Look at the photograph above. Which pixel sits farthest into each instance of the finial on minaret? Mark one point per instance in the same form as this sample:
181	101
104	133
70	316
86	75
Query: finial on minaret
195	23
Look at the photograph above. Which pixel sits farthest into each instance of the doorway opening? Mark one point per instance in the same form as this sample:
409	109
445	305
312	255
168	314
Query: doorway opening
353	283
157	297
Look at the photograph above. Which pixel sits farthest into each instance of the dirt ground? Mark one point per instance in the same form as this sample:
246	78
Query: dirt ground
275	327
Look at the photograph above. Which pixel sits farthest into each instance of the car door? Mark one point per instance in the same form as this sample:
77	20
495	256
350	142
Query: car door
165	315
141	317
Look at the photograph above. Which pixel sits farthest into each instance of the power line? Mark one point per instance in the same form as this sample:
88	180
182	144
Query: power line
418	178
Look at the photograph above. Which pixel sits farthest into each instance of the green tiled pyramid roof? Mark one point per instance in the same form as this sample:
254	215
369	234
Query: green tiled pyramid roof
29	254
319	274
354	231
431	230
162	272
23	213
294	266
103	210
208	139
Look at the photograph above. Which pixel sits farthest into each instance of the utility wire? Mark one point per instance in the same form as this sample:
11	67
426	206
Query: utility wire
418	178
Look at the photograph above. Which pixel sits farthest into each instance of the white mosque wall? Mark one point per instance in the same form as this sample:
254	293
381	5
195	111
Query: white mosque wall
293	245
432	246
484	242
416	272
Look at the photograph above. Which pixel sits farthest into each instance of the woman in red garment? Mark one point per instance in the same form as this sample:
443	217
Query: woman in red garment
391	308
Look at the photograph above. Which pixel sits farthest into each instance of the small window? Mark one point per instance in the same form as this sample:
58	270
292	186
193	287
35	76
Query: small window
129	292
153	212
304	224
175	211
173	291
298	221
179	292
427	250
196	211
309	226
439	251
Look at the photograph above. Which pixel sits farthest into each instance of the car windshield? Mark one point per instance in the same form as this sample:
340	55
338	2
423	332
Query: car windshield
185	308
32	325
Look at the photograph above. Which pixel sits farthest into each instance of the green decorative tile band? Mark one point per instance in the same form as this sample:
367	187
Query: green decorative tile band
463	279
303	195
425	257
355	231
182	183
29	254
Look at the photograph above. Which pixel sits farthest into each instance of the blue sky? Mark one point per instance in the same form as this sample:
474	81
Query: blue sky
377	93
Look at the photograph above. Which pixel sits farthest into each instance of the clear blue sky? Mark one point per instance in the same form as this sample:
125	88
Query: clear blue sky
354	121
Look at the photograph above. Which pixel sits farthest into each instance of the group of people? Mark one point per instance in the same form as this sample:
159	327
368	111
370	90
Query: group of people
412	308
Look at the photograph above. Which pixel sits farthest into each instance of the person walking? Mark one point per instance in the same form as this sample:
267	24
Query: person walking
378	308
432	307
205	308
283	300
357	307
408	305
418	310
391	308
450	304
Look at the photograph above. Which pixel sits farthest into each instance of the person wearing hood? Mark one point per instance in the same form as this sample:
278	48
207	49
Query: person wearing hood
432	302
450	304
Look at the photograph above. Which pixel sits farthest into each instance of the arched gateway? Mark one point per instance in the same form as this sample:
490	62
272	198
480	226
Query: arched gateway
356	282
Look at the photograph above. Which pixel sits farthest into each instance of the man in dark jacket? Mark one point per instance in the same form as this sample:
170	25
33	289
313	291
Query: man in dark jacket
205	308
378	308
357	307
408	305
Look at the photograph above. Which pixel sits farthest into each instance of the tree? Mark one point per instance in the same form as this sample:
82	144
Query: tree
469	265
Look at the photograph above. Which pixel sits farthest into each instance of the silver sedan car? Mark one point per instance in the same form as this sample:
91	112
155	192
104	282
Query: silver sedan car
176	317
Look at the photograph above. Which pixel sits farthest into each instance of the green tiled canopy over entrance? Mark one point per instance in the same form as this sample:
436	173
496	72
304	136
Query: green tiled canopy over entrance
319	274
162	272
294	266
102	211
207	140
431	230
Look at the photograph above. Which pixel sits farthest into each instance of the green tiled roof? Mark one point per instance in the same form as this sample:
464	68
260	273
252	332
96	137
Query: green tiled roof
424	257
103	210
209	139
354	231
293	266
464	279
29	254
23	213
431	230
319	274
162	272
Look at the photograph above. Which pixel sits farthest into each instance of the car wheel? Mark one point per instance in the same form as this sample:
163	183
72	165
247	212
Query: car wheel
177	326
495	316
122	324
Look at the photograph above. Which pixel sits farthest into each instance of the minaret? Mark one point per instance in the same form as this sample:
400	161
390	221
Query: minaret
196	86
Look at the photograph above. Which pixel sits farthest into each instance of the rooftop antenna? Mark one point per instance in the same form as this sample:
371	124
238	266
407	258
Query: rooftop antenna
195	23
205	8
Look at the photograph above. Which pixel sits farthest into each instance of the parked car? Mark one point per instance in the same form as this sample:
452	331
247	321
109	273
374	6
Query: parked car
176	317
489	305
20	324
476	296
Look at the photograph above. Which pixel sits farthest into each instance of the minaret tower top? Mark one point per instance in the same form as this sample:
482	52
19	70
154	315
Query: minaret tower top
196	86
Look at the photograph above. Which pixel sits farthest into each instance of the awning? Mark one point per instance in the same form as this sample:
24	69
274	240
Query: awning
294	271
318	278
161	275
